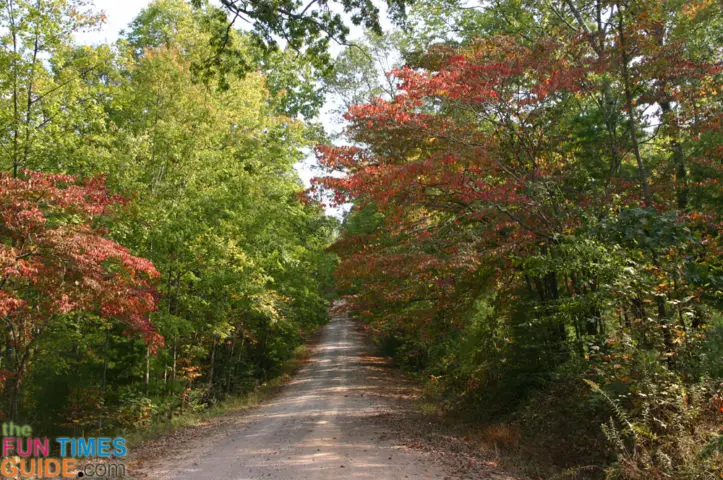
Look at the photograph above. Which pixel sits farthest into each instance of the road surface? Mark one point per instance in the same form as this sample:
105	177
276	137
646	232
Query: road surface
321	426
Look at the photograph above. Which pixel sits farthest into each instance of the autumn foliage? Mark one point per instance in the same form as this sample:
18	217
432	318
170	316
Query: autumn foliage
521	221
56	260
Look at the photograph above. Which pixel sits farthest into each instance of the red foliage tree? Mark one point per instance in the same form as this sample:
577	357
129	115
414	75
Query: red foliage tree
476	163
464	165
55	259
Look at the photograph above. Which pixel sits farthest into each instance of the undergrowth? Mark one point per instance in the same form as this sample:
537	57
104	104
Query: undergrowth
235	404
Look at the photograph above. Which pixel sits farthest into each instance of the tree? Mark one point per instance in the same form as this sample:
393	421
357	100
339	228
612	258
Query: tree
58	262
33	33
305	26
363	71
216	209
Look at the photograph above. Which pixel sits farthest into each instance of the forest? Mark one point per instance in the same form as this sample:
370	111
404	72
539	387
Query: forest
519	200
156	254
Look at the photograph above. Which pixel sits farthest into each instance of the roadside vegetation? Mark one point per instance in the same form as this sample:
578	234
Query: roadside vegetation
535	228
156	256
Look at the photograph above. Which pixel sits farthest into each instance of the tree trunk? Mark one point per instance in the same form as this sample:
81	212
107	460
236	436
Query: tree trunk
681	172
148	367
629	103
211	368
104	380
173	370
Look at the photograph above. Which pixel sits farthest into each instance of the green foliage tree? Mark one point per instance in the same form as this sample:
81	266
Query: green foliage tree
214	202
33	113
307	26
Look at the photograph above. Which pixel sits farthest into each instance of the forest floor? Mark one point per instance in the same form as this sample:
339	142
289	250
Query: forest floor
347	414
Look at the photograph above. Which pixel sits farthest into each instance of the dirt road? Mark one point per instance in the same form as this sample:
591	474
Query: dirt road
321	426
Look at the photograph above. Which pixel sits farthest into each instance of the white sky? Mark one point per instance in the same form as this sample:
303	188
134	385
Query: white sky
118	15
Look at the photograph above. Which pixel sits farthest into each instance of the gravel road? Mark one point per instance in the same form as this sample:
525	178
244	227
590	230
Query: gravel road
321	426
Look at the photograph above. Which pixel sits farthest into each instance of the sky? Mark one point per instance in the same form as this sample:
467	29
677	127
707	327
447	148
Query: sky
118	15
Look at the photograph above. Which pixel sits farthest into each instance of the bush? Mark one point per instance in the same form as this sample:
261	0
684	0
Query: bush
135	411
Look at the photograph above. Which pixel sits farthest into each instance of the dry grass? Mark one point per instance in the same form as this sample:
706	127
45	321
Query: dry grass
499	436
